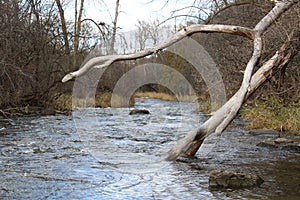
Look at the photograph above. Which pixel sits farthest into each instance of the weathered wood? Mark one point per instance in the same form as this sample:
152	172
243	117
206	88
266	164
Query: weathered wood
224	115
267	70
105	61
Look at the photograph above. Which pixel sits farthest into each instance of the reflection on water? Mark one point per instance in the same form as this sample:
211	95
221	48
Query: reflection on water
108	154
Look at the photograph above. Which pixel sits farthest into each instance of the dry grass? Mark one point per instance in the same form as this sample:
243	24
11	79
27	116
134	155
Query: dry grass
62	102
205	107
272	113
155	95
164	96
66	102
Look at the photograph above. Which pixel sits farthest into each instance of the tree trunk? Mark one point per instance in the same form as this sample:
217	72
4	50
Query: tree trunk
63	26
277	62
77	30
34	11
113	37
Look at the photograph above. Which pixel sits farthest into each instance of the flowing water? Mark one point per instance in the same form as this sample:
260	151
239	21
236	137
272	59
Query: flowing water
107	154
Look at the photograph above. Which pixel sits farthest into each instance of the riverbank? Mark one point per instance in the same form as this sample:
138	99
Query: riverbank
64	102
264	113
109	154
273	113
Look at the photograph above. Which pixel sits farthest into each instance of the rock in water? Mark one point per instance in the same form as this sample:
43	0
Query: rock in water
234	180
48	111
292	145
283	140
139	111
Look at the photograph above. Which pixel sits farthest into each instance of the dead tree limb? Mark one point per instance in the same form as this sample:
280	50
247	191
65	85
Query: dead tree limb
105	61
224	115
266	71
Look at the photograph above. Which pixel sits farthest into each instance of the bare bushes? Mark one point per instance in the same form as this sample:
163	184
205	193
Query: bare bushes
31	58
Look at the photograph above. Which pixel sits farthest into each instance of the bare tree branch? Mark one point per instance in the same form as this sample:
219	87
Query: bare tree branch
105	61
230	5
189	146
222	117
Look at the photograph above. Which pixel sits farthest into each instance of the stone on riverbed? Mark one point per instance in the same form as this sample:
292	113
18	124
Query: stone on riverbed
259	132
139	111
232	179
283	140
292	148
268	143
292	145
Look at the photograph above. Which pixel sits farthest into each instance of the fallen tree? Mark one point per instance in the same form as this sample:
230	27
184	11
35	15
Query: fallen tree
190	144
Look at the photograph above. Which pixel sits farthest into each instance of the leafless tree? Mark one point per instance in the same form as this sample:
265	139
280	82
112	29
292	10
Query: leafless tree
64	26
114	30
30	52
77	29
142	34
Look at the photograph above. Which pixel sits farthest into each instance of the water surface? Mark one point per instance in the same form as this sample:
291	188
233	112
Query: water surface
108	154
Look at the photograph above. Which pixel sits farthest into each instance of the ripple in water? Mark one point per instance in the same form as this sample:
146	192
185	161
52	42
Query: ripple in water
108	154
134	143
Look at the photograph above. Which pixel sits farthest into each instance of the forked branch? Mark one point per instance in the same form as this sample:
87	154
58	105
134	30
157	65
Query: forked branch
192	141
224	115
105	61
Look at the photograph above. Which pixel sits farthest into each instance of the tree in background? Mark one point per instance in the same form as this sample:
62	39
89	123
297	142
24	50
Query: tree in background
37	46
63	27
30	51
114	29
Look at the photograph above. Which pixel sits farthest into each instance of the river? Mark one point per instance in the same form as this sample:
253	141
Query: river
107	154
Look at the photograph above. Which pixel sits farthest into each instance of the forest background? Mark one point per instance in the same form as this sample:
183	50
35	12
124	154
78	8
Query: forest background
39	45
